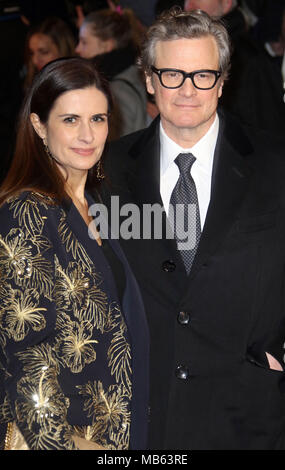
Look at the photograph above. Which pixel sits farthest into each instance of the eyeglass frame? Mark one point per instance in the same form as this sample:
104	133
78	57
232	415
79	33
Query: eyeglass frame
191	75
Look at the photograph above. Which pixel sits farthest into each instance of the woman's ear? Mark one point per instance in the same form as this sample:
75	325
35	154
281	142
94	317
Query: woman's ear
39	127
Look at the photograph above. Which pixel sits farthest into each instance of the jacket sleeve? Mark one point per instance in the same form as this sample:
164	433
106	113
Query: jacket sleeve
28	318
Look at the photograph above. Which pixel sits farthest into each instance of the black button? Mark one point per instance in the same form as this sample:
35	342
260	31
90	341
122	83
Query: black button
168	266
183	318
182	372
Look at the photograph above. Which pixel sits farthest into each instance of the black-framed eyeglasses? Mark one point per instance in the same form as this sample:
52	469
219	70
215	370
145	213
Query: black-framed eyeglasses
174	78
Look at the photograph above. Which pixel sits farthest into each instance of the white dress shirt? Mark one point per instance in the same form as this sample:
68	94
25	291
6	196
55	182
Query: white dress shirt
201	170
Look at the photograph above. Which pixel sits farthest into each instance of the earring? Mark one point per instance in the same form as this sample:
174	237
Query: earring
99	171
47	150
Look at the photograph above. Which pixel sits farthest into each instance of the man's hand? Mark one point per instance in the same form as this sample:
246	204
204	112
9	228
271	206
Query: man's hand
273	363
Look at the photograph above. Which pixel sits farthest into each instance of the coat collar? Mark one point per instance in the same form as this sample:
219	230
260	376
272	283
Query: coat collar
231	175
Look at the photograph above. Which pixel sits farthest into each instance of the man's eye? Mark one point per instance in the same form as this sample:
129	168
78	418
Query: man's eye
203	75
172	74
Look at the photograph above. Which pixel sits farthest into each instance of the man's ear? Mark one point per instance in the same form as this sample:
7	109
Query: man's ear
220	92
149	85
39	127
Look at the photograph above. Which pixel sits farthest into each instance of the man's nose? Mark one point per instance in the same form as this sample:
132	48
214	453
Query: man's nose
188	87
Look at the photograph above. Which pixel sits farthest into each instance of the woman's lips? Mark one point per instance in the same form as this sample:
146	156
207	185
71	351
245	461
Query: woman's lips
83	152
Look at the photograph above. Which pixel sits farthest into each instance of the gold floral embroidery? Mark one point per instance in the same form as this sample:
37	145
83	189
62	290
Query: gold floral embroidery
75	345
5	410
41	404
83	314
108	409
37	359
21	312
21	260
28	212
14	250
43	407
119	355
74	247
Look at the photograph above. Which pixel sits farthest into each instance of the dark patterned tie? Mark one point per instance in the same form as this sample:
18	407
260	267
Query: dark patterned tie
186	214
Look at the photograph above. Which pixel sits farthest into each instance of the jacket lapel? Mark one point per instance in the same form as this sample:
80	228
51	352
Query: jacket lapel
144	184
144	177
230	180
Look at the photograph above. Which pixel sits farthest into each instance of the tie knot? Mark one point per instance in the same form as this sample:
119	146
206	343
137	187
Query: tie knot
184	161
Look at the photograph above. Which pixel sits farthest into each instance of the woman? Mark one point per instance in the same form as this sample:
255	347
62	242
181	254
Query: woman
47	41
73	334
112	40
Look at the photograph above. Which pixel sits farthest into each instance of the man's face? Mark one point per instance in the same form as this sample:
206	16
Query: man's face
186	112
212	7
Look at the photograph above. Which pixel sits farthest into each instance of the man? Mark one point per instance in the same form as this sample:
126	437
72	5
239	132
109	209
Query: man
215	309
254	91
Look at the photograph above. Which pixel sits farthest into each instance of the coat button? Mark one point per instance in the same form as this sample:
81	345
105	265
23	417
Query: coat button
168	266
182	372
183	318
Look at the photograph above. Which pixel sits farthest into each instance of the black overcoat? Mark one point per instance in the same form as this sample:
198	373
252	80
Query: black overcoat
211	386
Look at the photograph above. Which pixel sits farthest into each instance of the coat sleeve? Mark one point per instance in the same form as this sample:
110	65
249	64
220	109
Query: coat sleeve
33	397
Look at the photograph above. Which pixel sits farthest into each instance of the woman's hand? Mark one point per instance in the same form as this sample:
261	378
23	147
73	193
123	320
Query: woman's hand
83	444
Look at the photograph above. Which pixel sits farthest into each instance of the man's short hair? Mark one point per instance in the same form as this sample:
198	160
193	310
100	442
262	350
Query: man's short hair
177	24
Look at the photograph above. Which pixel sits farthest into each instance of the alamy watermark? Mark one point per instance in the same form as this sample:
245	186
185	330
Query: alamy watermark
131	221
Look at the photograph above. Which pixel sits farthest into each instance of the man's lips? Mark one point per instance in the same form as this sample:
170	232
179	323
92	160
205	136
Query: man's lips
187	105
83	152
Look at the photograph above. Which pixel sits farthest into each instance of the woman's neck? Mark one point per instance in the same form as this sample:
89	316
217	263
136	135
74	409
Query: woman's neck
75	187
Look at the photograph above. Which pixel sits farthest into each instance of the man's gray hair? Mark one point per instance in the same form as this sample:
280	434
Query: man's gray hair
178	24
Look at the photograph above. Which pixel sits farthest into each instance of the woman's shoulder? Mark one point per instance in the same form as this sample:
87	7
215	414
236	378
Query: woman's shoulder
30	198
27	207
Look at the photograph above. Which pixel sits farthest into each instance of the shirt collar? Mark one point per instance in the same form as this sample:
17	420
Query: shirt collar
203	150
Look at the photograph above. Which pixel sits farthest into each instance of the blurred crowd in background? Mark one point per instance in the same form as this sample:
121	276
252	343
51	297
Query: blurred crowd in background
110	34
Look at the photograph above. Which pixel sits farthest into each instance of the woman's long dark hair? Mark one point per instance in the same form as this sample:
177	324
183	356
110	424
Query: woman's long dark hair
32	169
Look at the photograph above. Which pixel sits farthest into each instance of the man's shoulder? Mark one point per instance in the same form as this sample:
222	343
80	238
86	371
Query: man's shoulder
260	140
125	150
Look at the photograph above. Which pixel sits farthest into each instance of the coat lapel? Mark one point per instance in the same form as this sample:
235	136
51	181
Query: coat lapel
230	180
144	184
144	179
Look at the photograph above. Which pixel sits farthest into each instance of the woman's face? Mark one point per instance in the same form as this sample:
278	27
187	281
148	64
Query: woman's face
89	45
42	50
76	129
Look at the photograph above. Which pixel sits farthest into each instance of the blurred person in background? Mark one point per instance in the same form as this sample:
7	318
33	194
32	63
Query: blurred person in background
112	40
47	41
12	39
81	8
252	93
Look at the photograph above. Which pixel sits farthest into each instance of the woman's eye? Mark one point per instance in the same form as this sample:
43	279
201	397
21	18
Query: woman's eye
99	118
70	120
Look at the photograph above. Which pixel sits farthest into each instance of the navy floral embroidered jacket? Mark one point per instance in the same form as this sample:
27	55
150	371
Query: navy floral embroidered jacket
74	358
